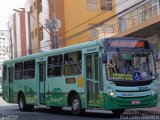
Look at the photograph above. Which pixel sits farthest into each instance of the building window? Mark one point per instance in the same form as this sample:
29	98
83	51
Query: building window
106	5
29	69
73	63
93	32
92	5
32	35
18	71
31	9
36	32
40	6
35	5
55	64
41	33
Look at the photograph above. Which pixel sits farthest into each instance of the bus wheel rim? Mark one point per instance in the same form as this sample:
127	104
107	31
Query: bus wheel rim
21	103
75	104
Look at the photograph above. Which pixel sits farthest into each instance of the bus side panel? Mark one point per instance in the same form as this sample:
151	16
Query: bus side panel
6	91
28	88
57	91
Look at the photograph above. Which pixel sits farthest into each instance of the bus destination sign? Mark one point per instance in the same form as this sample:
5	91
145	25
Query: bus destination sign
129	44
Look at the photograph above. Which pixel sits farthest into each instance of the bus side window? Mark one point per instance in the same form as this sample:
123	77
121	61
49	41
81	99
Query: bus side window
19	71
73	64
55	65
29	69
4	72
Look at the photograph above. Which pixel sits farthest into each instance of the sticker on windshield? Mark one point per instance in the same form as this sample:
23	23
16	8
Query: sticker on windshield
137	76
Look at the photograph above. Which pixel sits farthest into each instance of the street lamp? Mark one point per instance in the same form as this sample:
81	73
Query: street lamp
29	29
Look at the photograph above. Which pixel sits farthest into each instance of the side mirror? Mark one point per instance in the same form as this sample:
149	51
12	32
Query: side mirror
104	58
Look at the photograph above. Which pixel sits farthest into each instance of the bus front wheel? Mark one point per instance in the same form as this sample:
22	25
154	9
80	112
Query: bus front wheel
76	105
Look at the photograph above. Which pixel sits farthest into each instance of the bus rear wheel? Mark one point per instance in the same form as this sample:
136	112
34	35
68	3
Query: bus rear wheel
22	104
76	105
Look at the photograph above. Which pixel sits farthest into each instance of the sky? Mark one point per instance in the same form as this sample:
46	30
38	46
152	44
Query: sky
6	9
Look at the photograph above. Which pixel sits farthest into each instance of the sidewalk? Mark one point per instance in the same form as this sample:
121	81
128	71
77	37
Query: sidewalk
2	102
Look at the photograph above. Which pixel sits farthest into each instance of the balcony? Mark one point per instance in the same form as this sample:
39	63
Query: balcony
141	21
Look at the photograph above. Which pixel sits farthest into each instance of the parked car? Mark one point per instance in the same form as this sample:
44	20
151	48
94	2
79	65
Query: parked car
0	90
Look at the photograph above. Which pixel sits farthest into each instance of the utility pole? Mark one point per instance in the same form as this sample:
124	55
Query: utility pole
55	26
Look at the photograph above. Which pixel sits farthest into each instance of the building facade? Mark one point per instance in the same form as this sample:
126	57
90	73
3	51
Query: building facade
82	18
75	21
38	36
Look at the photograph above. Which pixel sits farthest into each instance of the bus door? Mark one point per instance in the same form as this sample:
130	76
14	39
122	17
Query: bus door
92	76
10	80
42	79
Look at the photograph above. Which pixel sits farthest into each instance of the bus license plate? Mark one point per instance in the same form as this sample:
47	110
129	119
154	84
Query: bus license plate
136	102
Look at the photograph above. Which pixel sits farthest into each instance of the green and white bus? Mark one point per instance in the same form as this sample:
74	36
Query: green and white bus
111	74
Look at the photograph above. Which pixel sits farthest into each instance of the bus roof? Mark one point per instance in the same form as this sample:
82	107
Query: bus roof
69	48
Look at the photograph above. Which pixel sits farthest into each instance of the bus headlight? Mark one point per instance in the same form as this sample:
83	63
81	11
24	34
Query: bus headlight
154	91
111	93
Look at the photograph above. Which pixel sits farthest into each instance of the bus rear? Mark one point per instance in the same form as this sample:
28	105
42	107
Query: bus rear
130	74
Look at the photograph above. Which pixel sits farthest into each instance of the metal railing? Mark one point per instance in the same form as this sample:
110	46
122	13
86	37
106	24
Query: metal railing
137	16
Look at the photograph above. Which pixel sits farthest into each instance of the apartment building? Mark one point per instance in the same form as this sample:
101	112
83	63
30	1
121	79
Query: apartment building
75	16
16	25
40	37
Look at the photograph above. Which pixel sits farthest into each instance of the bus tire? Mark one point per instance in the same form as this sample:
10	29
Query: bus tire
22	103
76	105
117	112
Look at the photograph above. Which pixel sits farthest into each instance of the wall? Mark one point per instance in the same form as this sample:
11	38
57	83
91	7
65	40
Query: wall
123	4
45	42
76	12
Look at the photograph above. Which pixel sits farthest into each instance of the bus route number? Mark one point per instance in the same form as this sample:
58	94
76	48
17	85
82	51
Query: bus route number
144	88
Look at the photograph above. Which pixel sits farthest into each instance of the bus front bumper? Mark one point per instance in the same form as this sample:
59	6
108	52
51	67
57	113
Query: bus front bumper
112	103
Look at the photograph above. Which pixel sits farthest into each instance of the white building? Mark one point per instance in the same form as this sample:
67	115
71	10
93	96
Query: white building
4	47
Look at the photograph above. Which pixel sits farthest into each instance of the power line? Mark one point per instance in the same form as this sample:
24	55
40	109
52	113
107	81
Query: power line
85	21
3	22
92	18
88	19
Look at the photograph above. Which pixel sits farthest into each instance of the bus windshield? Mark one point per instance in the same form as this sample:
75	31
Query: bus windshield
130	66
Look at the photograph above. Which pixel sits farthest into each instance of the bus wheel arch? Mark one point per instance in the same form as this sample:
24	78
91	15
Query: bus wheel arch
75	102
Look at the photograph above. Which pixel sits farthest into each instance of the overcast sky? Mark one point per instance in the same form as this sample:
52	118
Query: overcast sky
6	9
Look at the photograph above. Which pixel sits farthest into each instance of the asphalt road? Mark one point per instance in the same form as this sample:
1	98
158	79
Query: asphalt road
11	112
